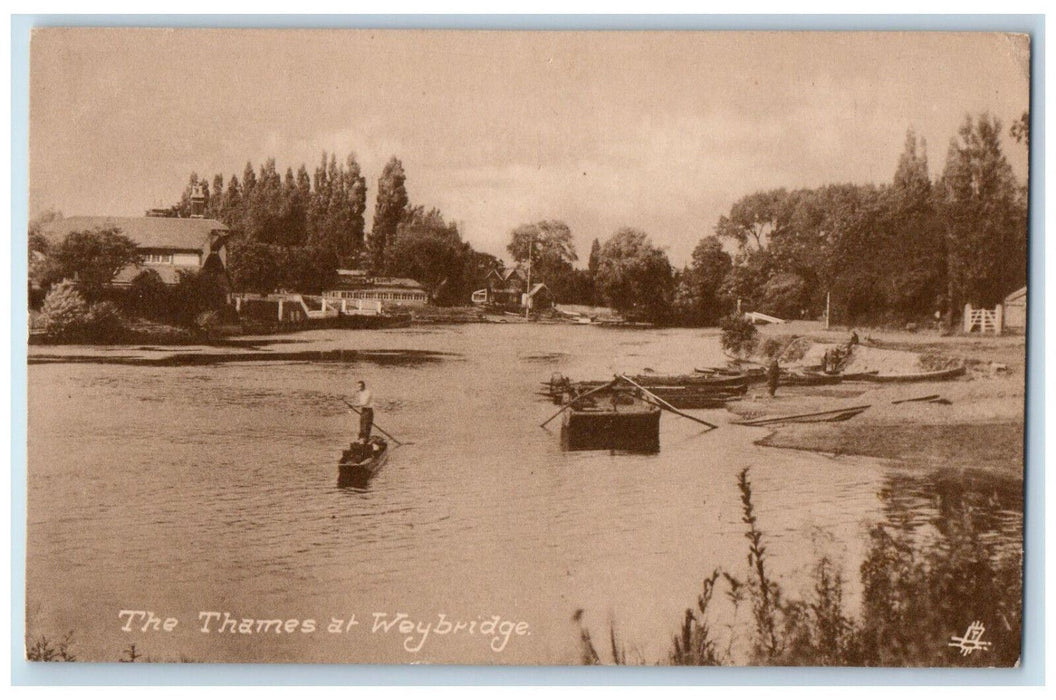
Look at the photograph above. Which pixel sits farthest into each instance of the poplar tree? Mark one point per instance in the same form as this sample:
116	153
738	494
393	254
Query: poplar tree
389	210
984	217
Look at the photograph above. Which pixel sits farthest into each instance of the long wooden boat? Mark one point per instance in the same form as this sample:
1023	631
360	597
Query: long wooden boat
612	419
844	376
690	388
830	416
361	463
936	376
799	377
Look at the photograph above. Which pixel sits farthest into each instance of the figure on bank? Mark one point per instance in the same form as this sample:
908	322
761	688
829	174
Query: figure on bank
773	372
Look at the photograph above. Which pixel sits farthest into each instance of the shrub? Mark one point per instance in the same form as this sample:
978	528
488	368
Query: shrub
103	322
150	297
739	335
64	310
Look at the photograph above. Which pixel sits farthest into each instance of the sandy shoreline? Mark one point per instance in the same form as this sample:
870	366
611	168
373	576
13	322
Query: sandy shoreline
981	428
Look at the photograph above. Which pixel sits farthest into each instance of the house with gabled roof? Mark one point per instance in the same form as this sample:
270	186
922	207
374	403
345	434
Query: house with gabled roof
167	245
503	287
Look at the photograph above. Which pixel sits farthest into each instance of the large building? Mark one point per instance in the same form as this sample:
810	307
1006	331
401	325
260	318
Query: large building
166	245
357	286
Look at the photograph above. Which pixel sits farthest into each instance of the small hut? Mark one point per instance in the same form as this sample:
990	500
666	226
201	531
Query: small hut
1015	311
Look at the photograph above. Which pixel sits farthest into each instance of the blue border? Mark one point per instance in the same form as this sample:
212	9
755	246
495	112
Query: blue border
1031	671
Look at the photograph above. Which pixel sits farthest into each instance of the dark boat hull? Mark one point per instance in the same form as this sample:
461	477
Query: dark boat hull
631	430
352	472
938	376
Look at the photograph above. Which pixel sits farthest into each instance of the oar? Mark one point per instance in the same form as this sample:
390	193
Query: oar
665	404
378	427
577	398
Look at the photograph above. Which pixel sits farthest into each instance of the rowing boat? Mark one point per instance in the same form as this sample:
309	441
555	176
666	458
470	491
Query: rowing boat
936	376
831	416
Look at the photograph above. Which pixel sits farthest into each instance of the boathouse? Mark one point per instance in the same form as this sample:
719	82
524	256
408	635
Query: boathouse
539	298
356	285
503	287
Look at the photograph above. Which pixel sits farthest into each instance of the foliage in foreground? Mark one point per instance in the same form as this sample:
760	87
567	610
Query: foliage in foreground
923	583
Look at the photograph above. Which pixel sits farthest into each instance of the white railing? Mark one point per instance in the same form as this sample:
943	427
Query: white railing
983	320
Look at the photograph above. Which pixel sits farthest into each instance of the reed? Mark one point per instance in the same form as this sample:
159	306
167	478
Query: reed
923	583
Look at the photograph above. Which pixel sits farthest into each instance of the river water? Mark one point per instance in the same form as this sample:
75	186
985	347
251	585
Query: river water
213	488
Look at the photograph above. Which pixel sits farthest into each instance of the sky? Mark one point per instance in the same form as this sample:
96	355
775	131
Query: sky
661	131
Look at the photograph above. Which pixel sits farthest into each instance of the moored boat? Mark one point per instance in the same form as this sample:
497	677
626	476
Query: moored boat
935	376
683	391
614	418
831	416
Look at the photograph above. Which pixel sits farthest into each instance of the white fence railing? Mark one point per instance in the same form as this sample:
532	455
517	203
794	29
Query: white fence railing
983	320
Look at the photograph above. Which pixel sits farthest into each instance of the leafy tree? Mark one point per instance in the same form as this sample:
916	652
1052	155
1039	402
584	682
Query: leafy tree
634	276
430	250
699	297
252	266
552	253
785	295
753	219
751	271
984	216
389	210
93	258
198	292
307	269
149	296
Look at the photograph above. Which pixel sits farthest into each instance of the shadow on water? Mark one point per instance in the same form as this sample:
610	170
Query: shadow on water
397	357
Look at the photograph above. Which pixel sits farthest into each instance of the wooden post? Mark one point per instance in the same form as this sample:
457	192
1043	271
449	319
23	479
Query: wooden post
999	319
828	308
967	318
280	309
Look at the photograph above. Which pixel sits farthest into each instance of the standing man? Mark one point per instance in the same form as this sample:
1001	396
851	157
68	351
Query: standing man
773	372
364	401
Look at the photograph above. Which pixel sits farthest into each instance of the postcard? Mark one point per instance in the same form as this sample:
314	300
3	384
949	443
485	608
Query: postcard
527	348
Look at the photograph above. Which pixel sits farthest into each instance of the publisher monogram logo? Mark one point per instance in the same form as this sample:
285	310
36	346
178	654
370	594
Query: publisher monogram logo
972	639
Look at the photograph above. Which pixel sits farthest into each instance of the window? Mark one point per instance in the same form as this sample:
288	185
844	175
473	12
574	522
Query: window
158	258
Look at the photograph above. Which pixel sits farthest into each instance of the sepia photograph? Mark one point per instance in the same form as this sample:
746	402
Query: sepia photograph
527	348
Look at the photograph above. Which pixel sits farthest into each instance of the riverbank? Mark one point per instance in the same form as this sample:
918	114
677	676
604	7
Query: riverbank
978	424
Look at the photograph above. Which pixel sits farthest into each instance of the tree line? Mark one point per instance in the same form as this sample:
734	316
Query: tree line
294	231
898	251
904	250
